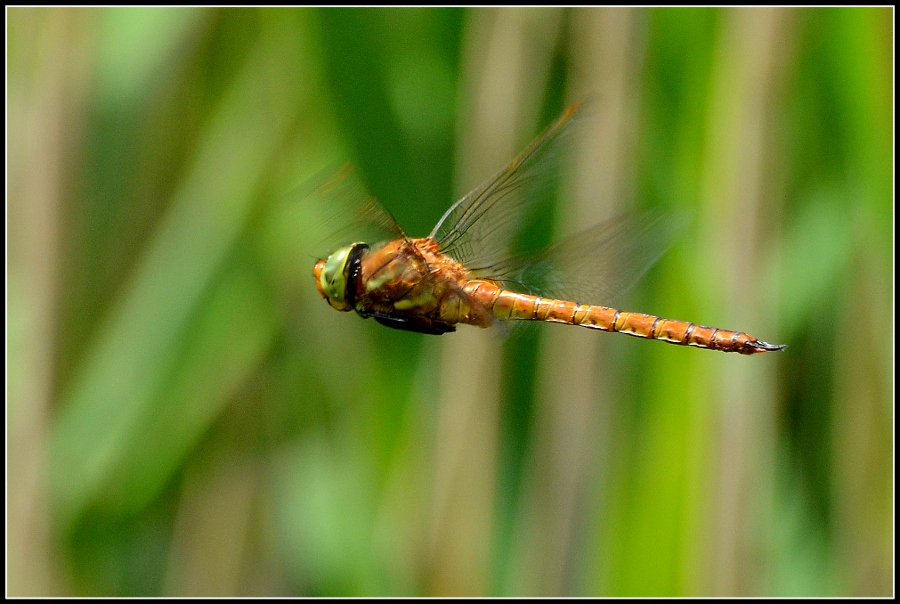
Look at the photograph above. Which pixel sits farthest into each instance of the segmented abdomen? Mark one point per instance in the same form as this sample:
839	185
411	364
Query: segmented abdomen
507	305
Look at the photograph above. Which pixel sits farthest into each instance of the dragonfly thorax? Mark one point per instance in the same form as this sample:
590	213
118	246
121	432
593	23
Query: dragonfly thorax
336	276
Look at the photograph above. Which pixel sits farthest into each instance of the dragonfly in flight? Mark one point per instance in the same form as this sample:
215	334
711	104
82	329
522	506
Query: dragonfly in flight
463	272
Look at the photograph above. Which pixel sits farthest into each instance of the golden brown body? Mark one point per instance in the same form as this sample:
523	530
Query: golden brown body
423	284
410	284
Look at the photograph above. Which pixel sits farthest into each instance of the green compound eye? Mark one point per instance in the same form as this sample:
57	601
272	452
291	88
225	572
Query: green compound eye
333	279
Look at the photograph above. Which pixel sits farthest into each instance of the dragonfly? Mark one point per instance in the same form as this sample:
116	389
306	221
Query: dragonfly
464	273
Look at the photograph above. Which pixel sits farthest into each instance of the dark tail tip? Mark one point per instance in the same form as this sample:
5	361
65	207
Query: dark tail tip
761	346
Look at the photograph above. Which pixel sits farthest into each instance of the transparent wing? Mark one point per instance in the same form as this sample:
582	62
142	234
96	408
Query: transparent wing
478	229
594	266
337	211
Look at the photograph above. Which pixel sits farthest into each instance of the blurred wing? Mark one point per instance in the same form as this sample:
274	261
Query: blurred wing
339	211
478	229
595	266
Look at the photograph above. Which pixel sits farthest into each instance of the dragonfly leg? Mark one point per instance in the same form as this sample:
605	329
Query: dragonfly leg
417	324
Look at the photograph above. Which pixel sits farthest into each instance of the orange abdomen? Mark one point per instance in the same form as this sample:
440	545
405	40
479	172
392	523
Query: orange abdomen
506	305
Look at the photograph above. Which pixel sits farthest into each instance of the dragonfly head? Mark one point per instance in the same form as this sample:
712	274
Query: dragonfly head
337	275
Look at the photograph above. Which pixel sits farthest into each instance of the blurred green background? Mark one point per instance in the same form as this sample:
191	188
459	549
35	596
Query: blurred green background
187	416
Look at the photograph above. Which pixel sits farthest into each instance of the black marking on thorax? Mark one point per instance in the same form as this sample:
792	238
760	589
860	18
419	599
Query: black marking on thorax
354	266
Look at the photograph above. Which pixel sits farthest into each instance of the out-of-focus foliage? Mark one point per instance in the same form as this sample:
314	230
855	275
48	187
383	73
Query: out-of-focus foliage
186	416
